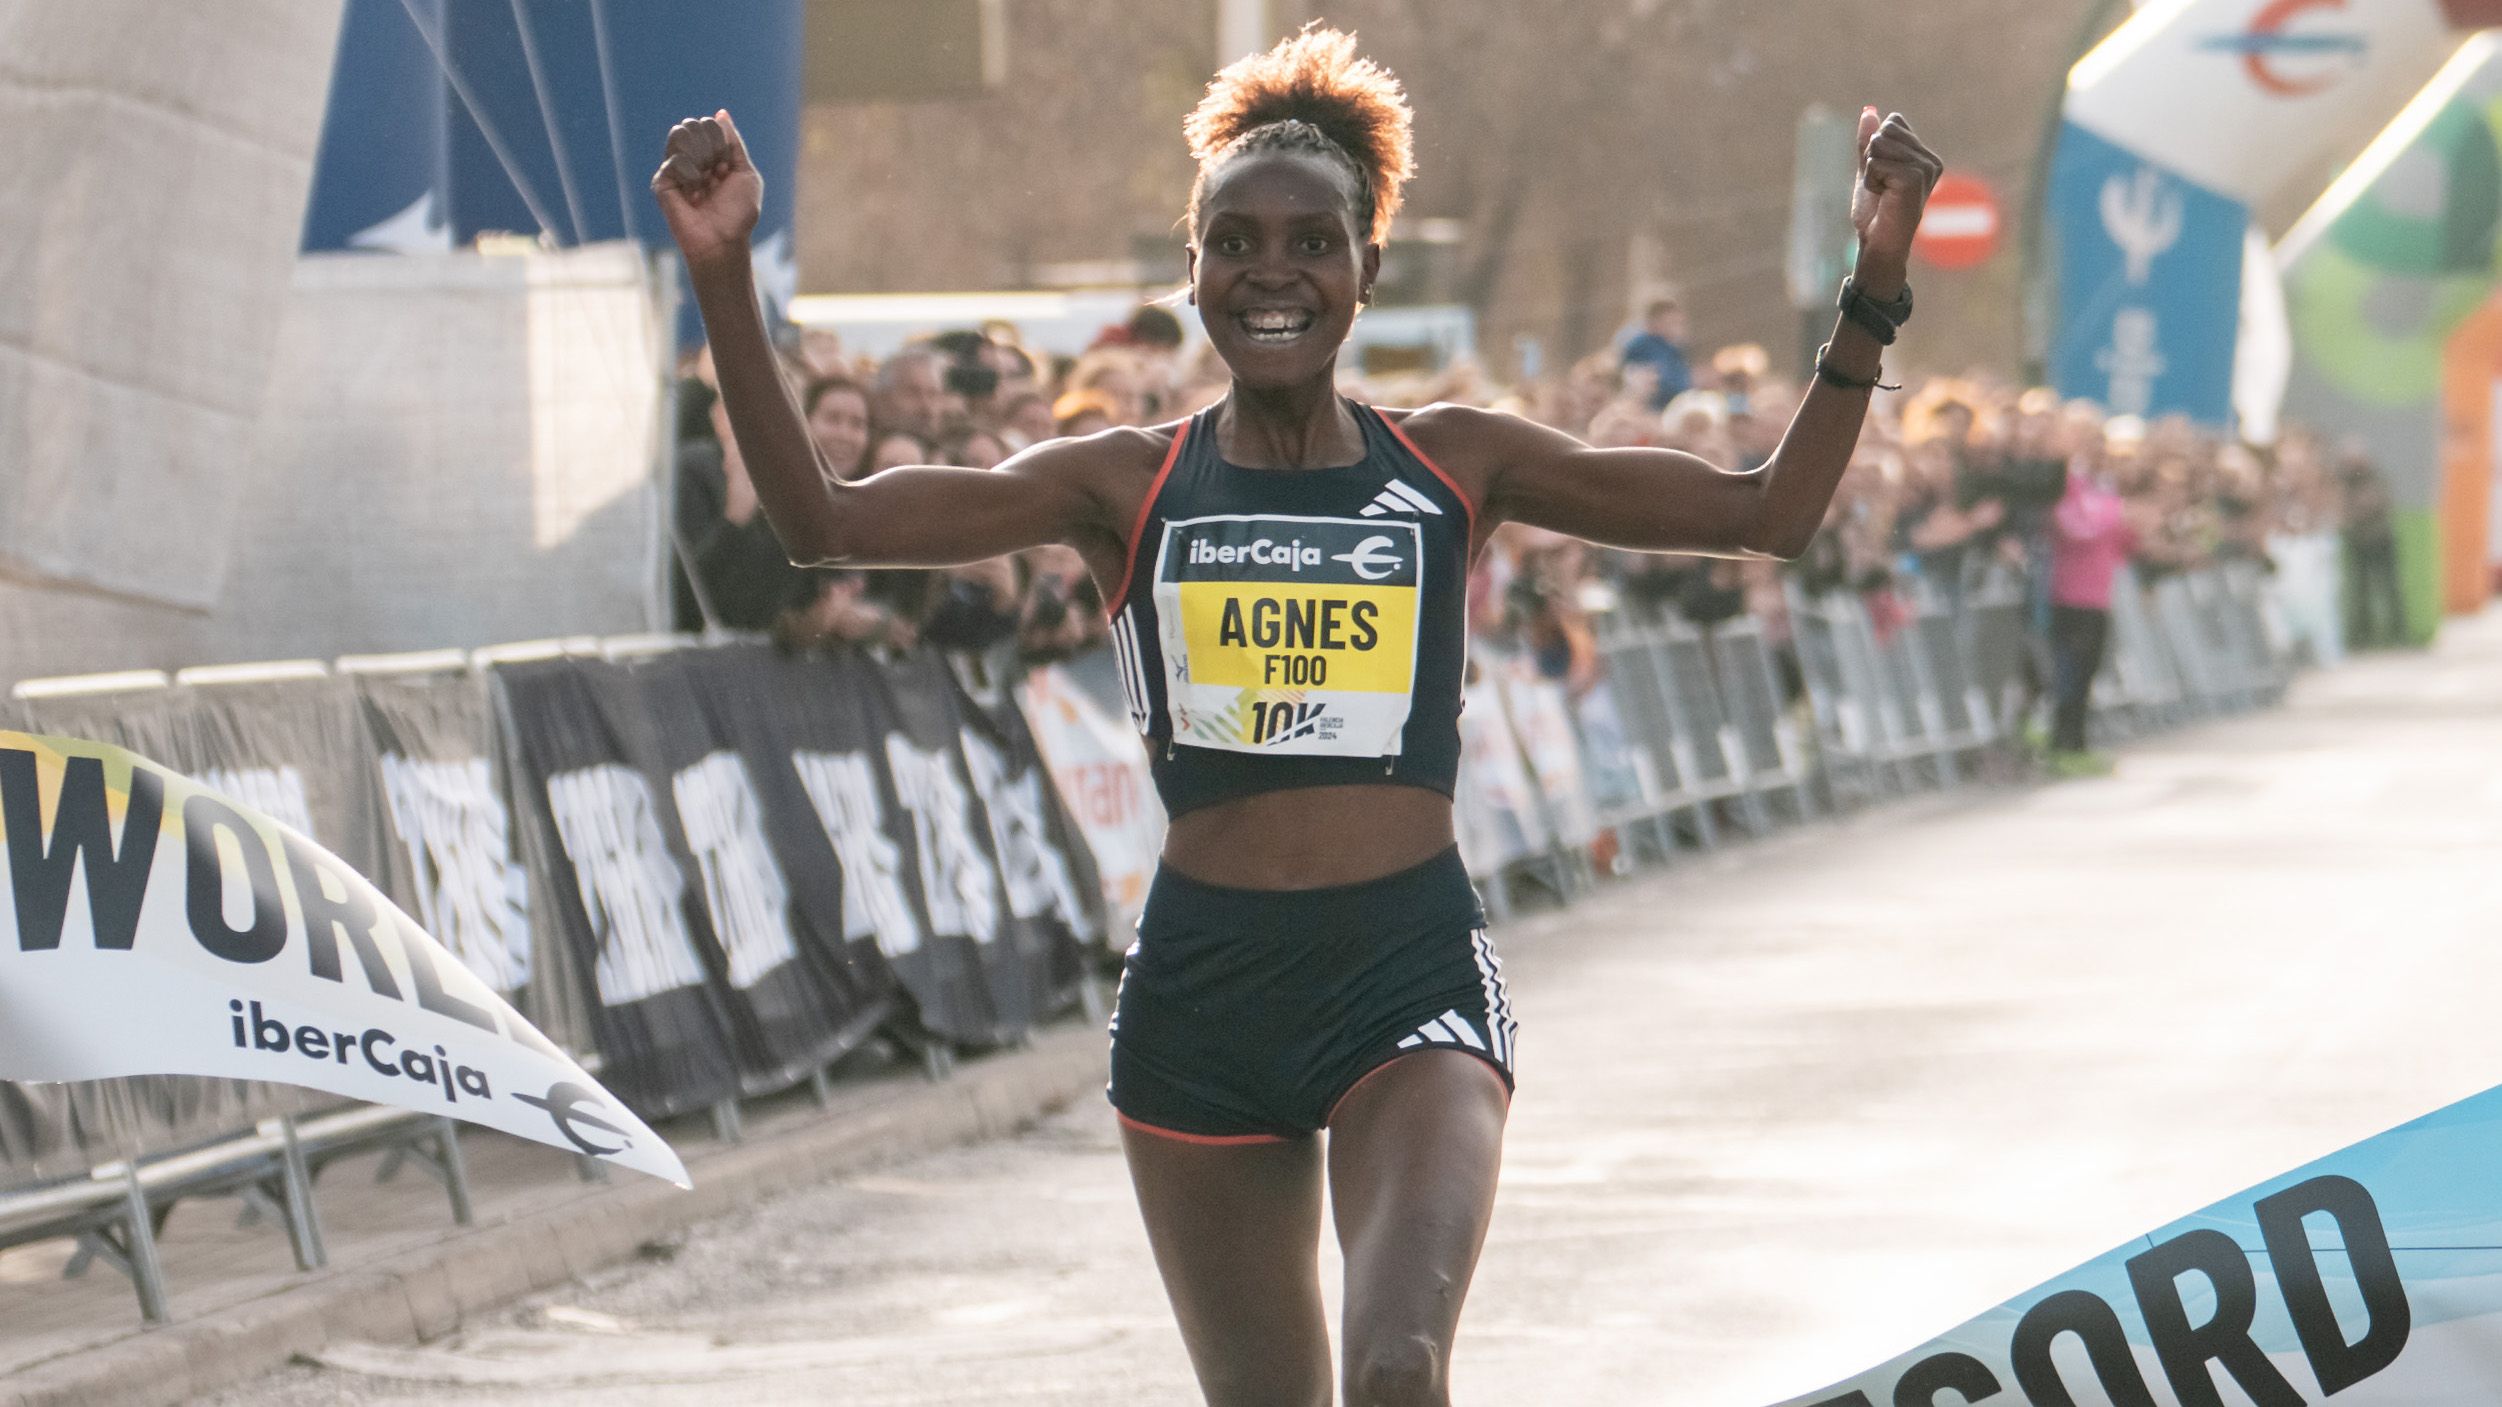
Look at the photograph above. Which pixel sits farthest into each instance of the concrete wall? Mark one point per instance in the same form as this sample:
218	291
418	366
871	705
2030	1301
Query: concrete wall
449	450
159	159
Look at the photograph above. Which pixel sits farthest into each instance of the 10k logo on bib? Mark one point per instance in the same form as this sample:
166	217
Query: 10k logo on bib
1289	635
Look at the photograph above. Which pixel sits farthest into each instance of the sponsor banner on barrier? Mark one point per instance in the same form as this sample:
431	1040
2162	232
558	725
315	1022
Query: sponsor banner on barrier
2372	1277
1008	944
1044	864
759	831
293	749
1102	776
616	882
2149	282
1542	722
792	1000
450	853
834	730
668	892
156	926
1495	803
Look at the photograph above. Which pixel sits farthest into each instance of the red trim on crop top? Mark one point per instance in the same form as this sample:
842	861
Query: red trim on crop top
1129	560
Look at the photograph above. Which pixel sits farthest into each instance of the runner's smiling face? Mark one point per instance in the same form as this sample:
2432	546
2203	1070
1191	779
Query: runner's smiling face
1277	265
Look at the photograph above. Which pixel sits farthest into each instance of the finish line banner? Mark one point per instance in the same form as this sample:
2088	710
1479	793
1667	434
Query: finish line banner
158	927
2372	1277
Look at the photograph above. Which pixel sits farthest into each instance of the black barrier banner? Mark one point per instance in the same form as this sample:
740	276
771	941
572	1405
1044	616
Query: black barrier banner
618	881
55	1130
294	750
1004	970
796	994
1054	891
748	694
710	980
448	852
151	722
916	879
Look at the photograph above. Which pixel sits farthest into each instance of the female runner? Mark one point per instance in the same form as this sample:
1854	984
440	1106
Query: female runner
1286	572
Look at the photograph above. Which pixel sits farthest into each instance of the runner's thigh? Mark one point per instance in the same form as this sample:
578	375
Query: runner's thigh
1414	1153
1236	1234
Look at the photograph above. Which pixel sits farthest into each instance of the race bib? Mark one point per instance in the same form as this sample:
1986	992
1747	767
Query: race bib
1289	635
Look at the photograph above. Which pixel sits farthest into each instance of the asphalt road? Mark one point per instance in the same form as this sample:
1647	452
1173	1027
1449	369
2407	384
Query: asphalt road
1782	1113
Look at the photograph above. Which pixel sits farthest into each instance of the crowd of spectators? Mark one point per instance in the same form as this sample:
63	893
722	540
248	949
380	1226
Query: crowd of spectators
1956	482
968	398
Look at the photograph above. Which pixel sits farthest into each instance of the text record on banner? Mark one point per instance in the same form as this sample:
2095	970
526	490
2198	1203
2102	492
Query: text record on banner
2369	1278
155	926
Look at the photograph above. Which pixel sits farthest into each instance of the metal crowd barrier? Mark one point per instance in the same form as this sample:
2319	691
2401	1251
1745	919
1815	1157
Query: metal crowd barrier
1705	734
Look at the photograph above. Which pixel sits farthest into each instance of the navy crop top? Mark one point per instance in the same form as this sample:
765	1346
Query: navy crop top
1282	628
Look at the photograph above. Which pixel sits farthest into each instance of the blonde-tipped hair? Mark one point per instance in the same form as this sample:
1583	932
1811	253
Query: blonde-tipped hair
1311	92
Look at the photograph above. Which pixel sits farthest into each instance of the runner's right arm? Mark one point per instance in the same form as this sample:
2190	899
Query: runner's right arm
909	517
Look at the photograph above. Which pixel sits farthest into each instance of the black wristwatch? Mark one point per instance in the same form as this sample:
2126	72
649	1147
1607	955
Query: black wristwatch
1880	319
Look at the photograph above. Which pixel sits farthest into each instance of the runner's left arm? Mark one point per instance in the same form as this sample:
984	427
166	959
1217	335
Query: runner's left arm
711	194
1659	500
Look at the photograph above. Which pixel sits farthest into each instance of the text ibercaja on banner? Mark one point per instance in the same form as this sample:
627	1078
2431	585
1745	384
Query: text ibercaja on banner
155	926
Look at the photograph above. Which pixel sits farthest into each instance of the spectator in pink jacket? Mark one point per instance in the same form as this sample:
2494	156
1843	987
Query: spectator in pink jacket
2090	538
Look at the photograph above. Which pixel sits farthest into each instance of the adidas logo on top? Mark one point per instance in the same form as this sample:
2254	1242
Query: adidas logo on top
1399	498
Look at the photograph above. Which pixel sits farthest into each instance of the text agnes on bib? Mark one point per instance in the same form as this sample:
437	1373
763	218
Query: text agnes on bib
1290	635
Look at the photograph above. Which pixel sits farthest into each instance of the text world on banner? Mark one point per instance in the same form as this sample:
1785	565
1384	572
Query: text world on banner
2368	1278
157	927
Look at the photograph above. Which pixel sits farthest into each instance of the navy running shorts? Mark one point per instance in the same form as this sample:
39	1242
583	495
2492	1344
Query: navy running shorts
1245	1015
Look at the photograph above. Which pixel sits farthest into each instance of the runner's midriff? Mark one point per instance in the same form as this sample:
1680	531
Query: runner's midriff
1310	837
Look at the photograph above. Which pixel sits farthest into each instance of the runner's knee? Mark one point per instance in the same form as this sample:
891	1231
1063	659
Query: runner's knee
1404	1370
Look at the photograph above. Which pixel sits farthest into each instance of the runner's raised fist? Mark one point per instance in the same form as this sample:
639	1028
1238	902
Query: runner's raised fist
1896	172
709	191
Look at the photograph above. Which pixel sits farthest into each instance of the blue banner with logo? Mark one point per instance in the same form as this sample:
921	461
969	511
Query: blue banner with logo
454	118
2149	283
2371	1277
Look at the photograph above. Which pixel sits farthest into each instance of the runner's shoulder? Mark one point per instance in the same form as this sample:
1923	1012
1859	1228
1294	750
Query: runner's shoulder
1113	467
1468	442
1121	452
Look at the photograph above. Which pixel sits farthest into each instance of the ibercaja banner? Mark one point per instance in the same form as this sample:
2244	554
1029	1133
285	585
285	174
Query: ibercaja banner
2369	1278
156	927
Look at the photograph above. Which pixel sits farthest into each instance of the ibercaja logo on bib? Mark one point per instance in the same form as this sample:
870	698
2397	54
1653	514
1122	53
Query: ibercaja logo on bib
1288	634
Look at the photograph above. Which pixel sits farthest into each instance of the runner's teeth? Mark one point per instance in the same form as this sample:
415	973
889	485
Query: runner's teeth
1276	325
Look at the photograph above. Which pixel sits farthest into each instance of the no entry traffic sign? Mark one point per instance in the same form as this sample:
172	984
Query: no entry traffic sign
1959	230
